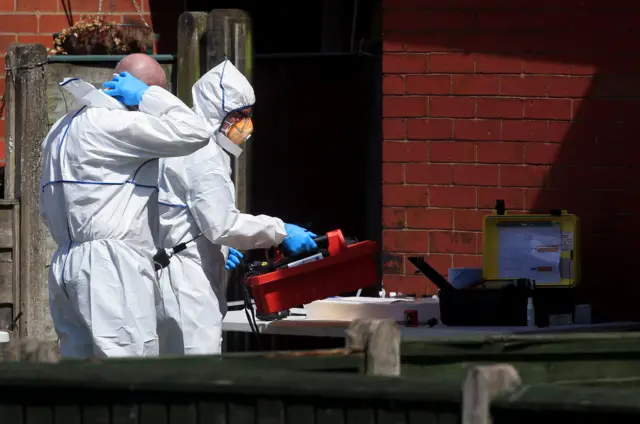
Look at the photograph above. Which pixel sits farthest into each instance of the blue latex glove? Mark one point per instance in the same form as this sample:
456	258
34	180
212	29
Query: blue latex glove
233	259
126	88
298	240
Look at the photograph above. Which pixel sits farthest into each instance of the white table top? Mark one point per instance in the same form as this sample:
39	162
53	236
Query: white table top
301	326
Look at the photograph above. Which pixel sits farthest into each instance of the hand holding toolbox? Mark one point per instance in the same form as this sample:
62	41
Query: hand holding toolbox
340	265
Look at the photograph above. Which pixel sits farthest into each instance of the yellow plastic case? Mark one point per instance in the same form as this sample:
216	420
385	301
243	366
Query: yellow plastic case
569	267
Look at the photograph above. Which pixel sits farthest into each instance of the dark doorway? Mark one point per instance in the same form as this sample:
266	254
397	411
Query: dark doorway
315	155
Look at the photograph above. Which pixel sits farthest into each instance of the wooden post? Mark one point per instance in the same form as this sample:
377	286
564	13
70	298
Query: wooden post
380	341
28	113
230	37
192	27
481	386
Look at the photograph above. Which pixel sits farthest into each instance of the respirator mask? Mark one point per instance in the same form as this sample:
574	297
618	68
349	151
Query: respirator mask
235	130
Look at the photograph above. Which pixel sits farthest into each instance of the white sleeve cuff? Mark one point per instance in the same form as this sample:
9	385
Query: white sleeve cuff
281	233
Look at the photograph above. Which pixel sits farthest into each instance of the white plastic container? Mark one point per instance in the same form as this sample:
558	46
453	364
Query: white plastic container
350	308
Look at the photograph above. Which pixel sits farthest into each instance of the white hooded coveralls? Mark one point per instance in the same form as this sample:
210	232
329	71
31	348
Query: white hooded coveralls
99	201
196	196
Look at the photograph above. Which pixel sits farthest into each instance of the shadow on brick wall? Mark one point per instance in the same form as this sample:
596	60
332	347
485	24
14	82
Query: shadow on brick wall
581	137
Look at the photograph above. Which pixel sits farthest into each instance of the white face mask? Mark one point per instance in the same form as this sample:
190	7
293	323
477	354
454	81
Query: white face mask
228	145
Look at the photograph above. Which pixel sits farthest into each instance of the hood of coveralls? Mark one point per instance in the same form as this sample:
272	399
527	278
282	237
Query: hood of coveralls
88	95
219	92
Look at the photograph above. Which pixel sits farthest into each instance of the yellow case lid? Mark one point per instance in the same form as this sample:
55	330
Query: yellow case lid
508	241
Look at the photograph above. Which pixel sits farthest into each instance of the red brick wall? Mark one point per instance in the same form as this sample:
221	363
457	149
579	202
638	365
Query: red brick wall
34	21
530	101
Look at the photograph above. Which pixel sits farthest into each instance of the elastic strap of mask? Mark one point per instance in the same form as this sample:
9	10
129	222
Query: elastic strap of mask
228	145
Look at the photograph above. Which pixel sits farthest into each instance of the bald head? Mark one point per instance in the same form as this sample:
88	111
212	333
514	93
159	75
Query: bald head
143	67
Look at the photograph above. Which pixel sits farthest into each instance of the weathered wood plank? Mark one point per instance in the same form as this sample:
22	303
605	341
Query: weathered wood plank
218	378
241	413
482	385
342	360
96	414
300	413
536	370
423	417
222	396
29	351
183	413
212	413
6	227
27	63
11	194
329	415
524	345
16	267
448	418
361	415
605	399
386	416
538	359
124	414
10	175
67	414
38	414
153	413
380	340
270	411
6	287
11	413
192	28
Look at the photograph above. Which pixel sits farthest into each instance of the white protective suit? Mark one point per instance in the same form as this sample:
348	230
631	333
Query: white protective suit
99	201
196	196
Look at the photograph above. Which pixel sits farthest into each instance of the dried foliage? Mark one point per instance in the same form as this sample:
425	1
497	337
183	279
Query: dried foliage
94	35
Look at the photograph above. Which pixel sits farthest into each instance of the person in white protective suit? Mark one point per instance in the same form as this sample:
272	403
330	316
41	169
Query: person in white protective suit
99	200
197	200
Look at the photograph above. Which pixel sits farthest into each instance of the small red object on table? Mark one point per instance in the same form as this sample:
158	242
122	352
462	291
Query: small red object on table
410	318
